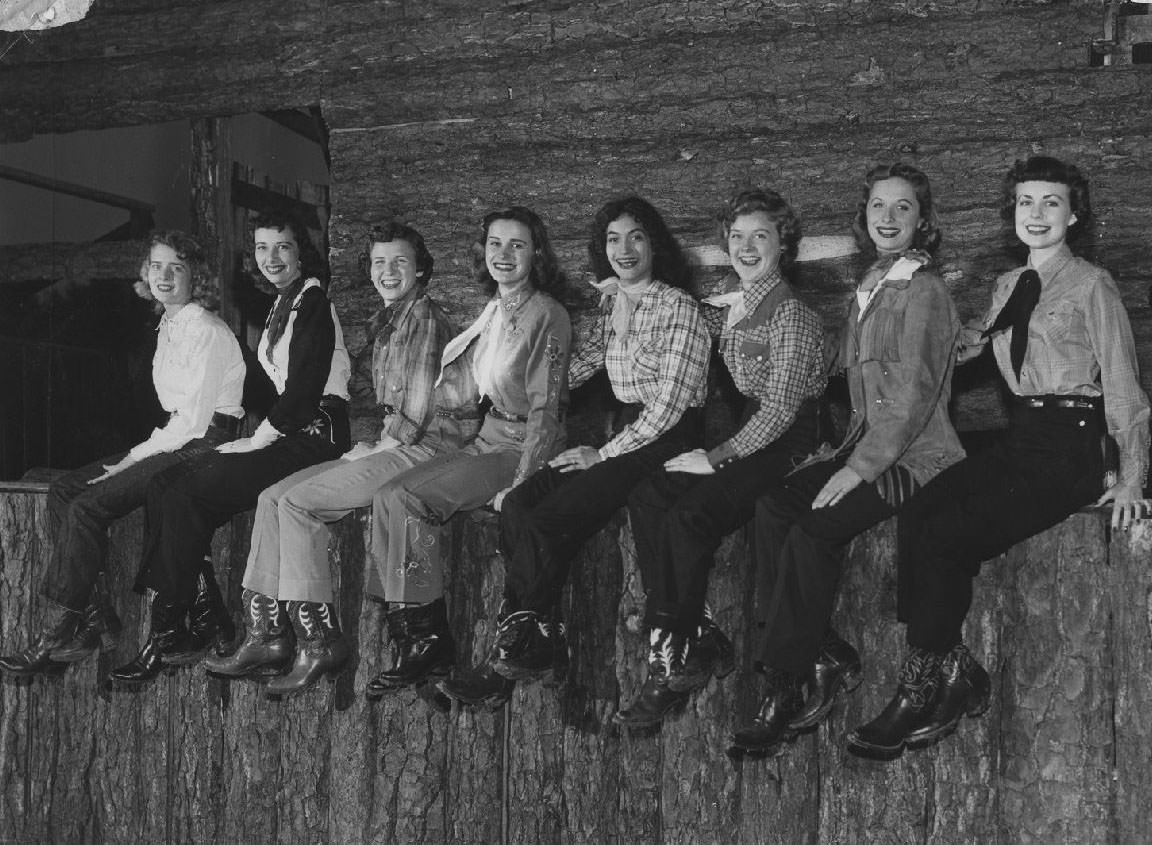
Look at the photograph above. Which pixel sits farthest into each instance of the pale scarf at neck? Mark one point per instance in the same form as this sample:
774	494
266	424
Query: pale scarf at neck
900	269
456	346
623	305
734	300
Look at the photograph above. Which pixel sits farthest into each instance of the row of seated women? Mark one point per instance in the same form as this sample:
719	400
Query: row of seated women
477	418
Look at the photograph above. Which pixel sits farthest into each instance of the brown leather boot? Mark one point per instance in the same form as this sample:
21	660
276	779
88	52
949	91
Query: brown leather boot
268	644
321	650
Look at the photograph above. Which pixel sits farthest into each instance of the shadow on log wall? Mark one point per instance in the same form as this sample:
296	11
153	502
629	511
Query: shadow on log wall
1062	623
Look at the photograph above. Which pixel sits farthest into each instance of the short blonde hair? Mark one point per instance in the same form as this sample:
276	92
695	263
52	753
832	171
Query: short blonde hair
189	250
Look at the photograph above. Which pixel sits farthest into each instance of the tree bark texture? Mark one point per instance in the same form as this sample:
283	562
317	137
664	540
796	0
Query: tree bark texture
1061	622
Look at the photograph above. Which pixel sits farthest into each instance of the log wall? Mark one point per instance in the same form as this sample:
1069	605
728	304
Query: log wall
438	111
1061	622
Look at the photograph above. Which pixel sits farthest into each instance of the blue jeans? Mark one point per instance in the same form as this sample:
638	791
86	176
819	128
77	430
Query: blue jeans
79	515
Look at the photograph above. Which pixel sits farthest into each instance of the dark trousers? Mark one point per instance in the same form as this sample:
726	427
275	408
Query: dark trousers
188	503
679	519
546	518
799	553
79	515
1048	465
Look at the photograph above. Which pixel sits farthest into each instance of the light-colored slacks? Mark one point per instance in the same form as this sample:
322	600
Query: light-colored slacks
416	504
288	559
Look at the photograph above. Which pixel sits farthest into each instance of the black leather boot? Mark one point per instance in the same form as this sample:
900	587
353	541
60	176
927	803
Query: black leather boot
166	629
321	650
210	626
965	690
422	647
884	737
709	653
60	627
268	645
836	669
99	629
482	685
531	646
666	655
770	729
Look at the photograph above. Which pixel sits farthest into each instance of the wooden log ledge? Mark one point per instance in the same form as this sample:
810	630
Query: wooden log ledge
1062	622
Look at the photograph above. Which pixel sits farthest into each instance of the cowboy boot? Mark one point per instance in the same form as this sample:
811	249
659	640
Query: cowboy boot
710	653
837	668
477	686
268	644
167	626
531	646
666	656
422	646
60	627
884	737
210	626
99	629
482	684
321	649
965	690
769	729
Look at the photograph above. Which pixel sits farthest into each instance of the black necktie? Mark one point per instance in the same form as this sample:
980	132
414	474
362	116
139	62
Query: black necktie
1015	314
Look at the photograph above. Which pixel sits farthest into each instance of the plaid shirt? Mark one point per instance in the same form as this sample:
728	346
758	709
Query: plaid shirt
662	363
405	361
1080	343
776	358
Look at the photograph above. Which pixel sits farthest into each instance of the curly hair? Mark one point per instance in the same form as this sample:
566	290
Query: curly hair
188	250
928	233
546	274
779	212
396	231
1048	169
669	263
312	263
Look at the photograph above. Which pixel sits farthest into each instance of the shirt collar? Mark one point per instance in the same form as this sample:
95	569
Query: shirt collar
182	316
759	288
1051	268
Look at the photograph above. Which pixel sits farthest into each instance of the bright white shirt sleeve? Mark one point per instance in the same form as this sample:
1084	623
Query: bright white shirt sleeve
197	371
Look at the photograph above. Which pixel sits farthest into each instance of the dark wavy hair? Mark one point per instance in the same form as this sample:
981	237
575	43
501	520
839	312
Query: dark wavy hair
779	212
669	263
1048	169
396	231
188	250
928	233
546	274
312	263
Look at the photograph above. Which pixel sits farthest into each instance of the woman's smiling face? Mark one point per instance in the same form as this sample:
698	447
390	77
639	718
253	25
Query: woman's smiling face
753	245
893	215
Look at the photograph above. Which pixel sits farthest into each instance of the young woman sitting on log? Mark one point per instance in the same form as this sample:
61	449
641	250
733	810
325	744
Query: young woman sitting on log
773	345
654	345
302	351
897	349
198	373
414	417
517	354
1064	347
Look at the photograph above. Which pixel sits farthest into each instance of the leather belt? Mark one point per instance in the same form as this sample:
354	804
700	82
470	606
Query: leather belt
504	415
1052	400
457	415
229	425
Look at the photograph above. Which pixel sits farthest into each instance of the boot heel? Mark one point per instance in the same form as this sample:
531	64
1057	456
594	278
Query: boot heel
108	641
852	679
725	666
979	707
